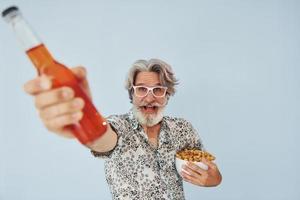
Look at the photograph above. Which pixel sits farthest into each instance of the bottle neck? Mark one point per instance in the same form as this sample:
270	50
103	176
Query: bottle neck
32	45
24	33
41	58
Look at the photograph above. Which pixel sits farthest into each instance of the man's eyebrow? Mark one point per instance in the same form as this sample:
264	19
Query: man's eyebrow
143	84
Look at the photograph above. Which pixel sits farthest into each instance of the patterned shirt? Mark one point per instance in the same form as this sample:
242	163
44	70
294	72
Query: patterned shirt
136	170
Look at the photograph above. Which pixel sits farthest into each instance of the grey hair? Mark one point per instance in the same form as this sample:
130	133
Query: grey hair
164	70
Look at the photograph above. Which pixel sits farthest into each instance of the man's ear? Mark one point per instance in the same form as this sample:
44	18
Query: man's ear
168	97
130	93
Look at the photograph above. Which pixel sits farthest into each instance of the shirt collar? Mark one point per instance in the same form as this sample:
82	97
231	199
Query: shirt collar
164	136
133	119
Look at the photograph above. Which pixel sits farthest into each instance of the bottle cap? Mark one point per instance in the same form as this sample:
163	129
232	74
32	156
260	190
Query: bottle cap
9	10
10	13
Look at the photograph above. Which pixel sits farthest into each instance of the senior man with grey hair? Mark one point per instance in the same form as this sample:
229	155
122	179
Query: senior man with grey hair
139	146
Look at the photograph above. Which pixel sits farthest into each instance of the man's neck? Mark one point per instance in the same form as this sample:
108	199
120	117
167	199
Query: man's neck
152	133
152	130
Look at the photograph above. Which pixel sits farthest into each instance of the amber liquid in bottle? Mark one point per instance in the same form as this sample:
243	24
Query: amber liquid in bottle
92	125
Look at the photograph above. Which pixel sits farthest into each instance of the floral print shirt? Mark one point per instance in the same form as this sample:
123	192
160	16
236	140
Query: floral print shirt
136	170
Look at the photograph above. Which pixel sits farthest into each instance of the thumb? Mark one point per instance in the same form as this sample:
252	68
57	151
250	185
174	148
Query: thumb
79	72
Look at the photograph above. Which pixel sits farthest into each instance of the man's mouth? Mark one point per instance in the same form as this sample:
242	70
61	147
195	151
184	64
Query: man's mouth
149	109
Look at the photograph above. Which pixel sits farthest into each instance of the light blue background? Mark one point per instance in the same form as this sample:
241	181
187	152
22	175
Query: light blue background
238	66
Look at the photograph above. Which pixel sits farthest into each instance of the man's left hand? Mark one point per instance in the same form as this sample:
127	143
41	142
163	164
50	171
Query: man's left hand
198	176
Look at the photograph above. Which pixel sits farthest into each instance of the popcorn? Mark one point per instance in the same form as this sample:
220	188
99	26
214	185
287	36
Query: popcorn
194	155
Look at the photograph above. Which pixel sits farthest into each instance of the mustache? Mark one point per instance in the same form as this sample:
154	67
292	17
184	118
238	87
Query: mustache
152	104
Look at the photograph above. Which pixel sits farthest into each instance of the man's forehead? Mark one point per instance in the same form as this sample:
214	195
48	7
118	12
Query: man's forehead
147	78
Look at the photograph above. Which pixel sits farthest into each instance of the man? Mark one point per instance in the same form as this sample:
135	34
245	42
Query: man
139	146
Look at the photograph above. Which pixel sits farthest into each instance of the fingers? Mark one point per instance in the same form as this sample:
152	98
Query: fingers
54	96
37	85
195	168
57	106
198	176
194	174
59	115
56	123
71	106
79	72
81	75
209	163
191	179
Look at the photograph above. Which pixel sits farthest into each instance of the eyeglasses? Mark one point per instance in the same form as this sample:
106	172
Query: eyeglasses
157	91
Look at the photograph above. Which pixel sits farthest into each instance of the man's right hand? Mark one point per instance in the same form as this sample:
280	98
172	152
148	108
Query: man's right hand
58	107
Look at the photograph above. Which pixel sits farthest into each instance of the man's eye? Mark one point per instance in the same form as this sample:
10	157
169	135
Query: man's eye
142	89
157	90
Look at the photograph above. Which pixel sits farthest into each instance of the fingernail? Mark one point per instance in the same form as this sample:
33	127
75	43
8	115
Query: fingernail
66	94
77	103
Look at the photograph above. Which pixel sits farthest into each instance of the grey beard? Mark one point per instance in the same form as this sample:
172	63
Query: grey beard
149	120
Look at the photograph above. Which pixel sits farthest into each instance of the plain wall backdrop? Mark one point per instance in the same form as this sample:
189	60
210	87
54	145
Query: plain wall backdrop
238	66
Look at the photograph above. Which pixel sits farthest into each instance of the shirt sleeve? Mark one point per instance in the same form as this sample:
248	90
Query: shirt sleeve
189	137
118	124
196	142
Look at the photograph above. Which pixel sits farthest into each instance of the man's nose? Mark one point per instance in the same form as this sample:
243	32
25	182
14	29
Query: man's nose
149	98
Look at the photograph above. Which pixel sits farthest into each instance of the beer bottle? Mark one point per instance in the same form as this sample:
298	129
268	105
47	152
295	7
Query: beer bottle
92	125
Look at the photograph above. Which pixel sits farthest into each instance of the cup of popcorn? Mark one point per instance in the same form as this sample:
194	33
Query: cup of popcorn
192	155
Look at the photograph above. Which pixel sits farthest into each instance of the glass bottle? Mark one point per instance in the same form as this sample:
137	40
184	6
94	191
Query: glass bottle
92	125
